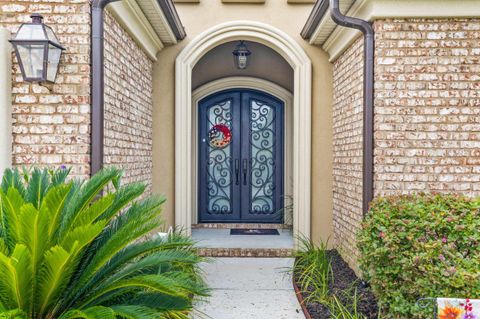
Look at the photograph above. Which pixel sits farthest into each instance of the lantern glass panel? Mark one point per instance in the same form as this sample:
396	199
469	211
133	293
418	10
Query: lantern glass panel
54	54
32	57
51	35
31	32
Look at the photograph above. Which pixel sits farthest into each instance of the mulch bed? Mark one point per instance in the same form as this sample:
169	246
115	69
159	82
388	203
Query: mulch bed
341	287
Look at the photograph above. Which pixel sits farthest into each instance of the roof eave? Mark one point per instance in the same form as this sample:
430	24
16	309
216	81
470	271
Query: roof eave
171	14
318	12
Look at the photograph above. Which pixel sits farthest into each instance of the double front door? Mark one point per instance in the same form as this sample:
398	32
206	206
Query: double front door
241	157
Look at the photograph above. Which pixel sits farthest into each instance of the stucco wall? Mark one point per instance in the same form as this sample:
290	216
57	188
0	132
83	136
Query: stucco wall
52	127
218	63
288	18
128	105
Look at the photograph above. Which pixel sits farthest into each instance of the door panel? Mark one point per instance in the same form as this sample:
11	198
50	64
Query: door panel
217	188
243	181
262	146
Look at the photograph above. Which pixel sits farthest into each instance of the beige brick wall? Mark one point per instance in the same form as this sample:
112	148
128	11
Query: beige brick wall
52	127
427	116
427	106
347	149
128	105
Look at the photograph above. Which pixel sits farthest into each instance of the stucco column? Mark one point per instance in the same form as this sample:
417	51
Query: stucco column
5	101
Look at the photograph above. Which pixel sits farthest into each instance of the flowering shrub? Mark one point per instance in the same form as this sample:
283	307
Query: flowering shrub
421	246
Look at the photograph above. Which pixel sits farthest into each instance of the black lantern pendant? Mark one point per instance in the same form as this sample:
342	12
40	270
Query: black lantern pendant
38	51
241	56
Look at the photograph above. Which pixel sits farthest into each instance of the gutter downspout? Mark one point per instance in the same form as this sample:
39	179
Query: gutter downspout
98	73
98	85
368	95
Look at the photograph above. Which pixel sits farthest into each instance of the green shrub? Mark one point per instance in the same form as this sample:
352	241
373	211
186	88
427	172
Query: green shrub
313	270
80	249
421	246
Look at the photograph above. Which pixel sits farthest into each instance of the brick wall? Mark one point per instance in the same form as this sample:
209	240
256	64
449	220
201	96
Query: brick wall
347	148
52	127
128	105
427	114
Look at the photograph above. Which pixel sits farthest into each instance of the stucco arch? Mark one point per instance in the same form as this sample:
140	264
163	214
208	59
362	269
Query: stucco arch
292	52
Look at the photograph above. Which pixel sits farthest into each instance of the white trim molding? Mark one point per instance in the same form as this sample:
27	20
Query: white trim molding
245	82
131	17
145	22
293	53
336	39
5	100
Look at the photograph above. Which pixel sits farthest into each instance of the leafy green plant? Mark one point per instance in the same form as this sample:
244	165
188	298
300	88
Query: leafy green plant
340	311
80	249
313	269
421	246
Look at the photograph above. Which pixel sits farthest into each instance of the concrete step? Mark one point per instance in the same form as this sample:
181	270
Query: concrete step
217	242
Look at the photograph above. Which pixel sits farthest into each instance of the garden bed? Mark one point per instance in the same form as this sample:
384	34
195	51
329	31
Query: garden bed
343	286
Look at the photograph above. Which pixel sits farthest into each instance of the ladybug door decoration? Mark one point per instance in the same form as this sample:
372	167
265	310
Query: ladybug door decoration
219	136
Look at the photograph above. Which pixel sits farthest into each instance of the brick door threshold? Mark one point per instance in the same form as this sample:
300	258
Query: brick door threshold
242	226
246	252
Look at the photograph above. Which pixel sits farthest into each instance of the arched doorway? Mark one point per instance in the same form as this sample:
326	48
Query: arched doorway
301	121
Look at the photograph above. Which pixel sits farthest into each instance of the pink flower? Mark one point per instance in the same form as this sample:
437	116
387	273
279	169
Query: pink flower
441	257
381	234
444	240
469	315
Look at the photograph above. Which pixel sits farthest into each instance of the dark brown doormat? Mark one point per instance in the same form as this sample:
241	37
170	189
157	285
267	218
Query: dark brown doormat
253	231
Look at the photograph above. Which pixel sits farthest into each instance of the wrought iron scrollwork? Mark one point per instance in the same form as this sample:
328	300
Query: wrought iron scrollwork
262	162
219	163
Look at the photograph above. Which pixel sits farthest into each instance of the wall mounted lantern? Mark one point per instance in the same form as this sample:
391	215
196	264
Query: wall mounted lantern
38	51
240	55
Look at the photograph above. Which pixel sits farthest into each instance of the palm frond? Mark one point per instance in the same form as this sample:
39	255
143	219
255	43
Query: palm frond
90	313
37	187
10	204
12	178
135	312
15	285
53	204
156	283
92	213
59	176
124	196
83	197
82	236
137	221
55	274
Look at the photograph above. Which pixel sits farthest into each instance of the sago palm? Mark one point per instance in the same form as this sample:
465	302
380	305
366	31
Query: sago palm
81	249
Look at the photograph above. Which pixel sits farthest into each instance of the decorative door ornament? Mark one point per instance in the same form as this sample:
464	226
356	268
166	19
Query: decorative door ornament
219	136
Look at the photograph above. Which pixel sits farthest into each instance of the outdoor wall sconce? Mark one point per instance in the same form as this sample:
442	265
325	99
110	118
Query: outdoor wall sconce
38	51
240	55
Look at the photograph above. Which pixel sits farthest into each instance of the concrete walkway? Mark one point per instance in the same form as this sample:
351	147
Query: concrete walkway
249	288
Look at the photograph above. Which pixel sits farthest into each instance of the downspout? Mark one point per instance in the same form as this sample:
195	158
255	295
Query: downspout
368	95
98	75
98	81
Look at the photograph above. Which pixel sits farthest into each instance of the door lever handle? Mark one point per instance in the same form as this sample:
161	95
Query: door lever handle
237	170
244	172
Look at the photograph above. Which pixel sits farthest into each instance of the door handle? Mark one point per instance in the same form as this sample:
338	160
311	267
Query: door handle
244	172
237	170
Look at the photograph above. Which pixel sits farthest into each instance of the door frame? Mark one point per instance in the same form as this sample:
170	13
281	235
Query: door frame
294	54
252	83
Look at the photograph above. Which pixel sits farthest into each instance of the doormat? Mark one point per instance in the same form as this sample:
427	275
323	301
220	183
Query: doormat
253	231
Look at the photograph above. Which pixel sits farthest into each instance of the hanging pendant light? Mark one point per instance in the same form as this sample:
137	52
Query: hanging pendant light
241	55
